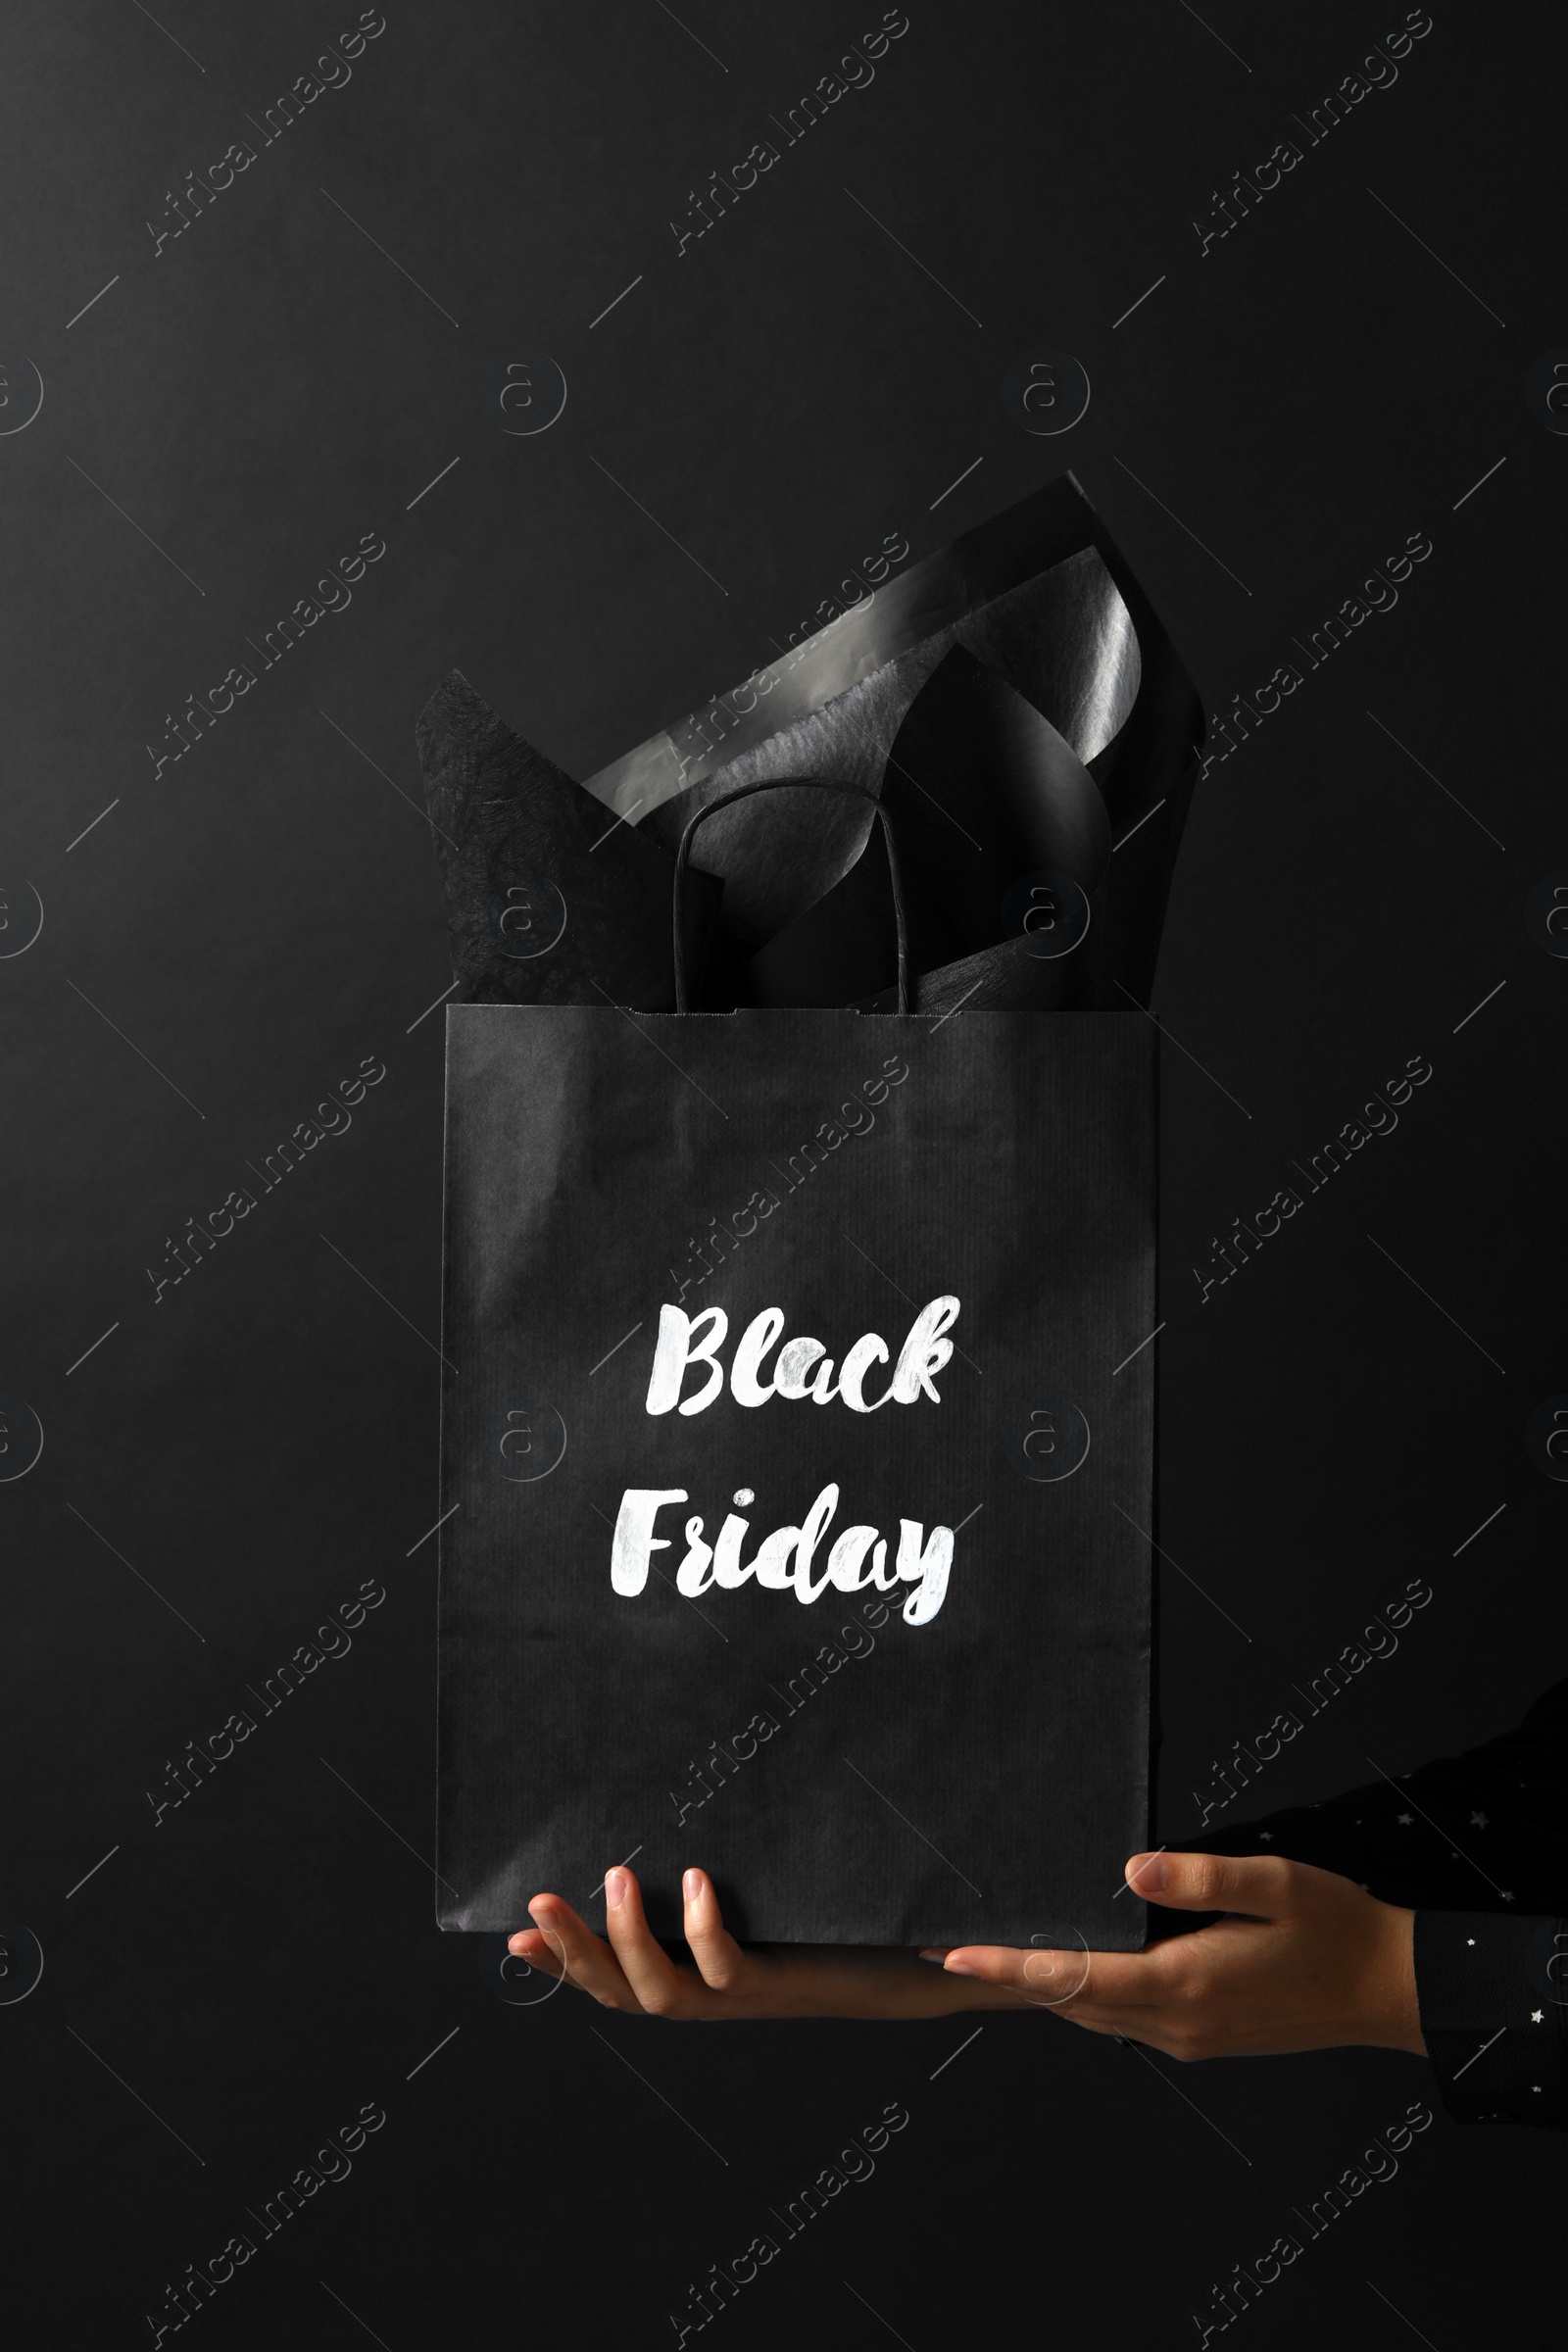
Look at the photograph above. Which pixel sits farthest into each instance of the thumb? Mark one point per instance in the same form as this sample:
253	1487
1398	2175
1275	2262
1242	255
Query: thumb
1255	1884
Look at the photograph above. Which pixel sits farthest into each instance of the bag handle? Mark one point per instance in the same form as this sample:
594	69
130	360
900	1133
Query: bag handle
742	792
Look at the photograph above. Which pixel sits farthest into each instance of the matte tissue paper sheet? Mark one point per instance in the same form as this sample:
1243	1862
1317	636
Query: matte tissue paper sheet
797	1451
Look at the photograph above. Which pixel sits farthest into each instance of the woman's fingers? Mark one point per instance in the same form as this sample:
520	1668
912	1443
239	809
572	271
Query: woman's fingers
578	1954
1074	1981
1259	1886
725	1966
1108	1993
633	1970
659	1985
1105	1992
542	1949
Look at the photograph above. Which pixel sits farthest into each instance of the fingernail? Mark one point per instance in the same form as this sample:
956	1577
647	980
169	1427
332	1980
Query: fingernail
959	1967
615	1889
1146	1874
515	1943
691	1885
936	1953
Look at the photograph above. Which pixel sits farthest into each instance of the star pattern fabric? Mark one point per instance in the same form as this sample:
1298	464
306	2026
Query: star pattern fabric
1477	1846
1493	2016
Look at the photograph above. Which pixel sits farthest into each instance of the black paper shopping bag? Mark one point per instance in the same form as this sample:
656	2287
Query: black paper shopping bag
797	1457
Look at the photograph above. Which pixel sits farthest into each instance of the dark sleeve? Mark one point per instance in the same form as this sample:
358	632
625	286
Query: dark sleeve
1494	2014
1488	1831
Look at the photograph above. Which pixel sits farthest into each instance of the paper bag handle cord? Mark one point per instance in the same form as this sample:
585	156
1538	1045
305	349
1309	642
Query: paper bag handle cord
742	792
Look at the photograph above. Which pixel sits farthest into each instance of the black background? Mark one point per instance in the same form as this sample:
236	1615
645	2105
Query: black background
264	913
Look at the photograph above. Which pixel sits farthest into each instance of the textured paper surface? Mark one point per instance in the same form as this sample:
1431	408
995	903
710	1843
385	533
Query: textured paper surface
980	1776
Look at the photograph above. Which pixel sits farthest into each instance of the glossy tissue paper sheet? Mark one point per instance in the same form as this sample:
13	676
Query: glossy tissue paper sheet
797	1443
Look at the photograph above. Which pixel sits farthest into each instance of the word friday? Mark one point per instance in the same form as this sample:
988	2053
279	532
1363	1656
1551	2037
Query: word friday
785	1557
804	1369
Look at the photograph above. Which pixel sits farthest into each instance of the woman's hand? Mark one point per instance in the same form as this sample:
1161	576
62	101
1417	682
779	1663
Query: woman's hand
1304	1960
633	1970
